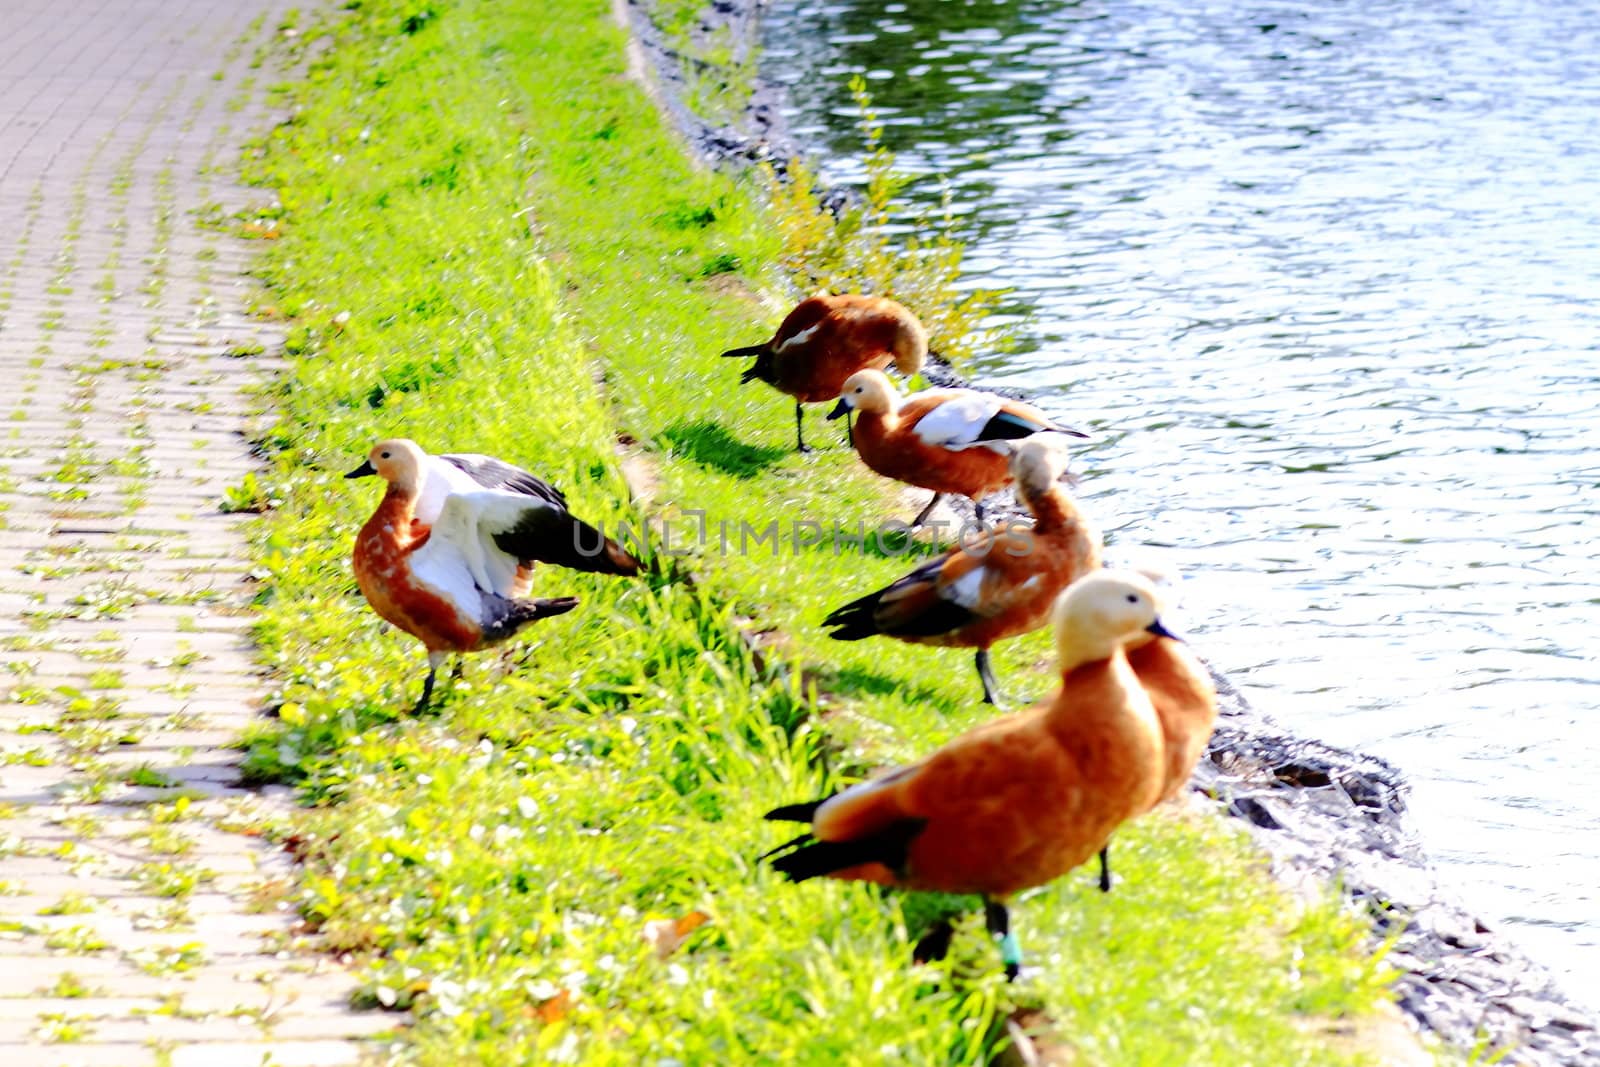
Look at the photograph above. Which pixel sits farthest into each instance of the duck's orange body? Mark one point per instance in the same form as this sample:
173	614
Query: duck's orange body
1001	585
947	440
448	554
1020	574
825	339
1185	700
888	443
381	564
1020	800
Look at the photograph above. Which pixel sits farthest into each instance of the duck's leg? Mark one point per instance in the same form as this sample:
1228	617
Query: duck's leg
998	920
977	507
435	661
935	944
427	692
922	516
799	434
1105	869
991	688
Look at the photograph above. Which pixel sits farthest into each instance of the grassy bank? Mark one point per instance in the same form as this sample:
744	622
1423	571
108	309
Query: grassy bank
490	243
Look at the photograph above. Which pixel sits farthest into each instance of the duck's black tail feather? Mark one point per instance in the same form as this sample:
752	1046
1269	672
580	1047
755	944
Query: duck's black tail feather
793	842
856	619
603	555
746	350
804	811
862	618
912	612
552	535
811	858
761	369
544	607
505	616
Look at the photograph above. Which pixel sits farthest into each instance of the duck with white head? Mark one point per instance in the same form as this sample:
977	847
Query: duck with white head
448	554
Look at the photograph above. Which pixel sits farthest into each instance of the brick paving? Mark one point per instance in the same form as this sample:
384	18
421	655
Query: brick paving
136	925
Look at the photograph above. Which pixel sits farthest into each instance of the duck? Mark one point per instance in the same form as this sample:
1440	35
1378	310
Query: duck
998	585
448	554
825	339
1020	800
948	440
1185	698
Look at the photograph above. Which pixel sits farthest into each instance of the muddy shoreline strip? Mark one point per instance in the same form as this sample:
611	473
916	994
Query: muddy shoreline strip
1321	814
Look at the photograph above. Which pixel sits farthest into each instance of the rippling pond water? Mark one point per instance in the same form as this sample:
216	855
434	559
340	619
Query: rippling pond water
1323	278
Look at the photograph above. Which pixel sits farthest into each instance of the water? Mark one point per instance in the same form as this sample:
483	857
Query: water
1324	280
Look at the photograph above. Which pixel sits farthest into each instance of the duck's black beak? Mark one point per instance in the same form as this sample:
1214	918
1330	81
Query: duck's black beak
1161	631
366	470
841	409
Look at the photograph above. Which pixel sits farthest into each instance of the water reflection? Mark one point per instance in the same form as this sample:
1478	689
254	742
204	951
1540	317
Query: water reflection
1323	277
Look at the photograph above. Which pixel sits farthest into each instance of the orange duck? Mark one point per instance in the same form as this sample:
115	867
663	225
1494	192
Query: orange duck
1020	800
948	440
825	339
1185	699
448	554
1000	585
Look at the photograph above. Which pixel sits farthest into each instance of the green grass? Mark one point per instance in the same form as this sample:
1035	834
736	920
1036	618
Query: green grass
490	243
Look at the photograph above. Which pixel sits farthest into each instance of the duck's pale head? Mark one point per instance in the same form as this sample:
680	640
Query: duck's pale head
1101	611
1037	464
867	390
397	461
1164	575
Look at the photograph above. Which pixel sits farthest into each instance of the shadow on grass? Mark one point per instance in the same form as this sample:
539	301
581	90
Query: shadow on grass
859	682
709	445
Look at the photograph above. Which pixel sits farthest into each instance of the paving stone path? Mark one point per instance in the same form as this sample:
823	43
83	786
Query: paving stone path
137	925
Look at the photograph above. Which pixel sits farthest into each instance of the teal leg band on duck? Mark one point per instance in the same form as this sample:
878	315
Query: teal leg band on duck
1010	950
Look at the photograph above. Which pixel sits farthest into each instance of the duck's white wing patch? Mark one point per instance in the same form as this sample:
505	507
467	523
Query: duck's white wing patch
967	590
798	339
957	422
487	472
471	520
443	565
440	481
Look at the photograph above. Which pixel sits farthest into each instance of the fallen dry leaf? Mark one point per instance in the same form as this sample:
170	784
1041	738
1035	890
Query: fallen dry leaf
666	935
555	1009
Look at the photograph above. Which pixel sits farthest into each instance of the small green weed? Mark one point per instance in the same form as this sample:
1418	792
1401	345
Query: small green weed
59	1028
69	986
69	904
77	940
163	879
